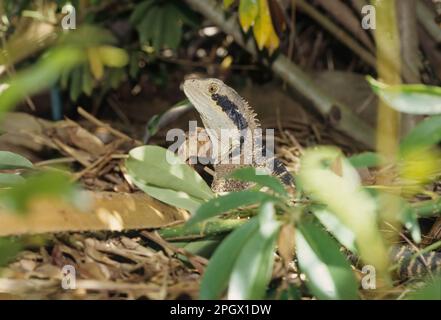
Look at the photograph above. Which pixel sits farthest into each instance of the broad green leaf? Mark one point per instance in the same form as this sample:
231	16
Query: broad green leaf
172	197
343	195
228	202
218	272
329	274
411	98
10	161
227	3
46	184
344	235
113	57
264	180
41	75
426	134
9	247
10	179
253	268
430	291
159	167
248	10
366	159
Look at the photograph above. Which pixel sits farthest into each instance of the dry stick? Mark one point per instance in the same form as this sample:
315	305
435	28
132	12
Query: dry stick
97	122
343	117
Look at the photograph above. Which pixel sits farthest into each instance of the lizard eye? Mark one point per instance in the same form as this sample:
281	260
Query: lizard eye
213	88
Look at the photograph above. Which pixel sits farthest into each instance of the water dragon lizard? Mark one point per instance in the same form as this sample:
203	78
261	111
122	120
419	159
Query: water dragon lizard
222	108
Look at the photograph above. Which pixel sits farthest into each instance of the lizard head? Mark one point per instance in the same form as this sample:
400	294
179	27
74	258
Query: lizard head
219	106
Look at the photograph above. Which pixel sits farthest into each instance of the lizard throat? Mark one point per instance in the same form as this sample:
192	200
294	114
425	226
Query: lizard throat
231	110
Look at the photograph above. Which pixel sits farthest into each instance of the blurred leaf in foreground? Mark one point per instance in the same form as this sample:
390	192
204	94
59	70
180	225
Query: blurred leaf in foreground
431	290
344	196
40	76
44	184
410	98
9	247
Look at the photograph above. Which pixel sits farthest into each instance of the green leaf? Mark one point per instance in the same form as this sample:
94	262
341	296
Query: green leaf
228	202
344	235
9	247
159	167
430	291
172	197
253	268
10	161
217	274
329	274
252	175
366	159
411	98
10	179
248	10
426	134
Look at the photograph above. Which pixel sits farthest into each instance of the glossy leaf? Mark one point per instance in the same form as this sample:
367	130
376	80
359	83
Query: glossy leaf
228	202
426	134
159	167
10	161
218	272
329	274
172	197
10	179
253	268
411	98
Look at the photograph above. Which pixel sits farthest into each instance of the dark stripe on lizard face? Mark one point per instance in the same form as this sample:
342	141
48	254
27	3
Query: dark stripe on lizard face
231	110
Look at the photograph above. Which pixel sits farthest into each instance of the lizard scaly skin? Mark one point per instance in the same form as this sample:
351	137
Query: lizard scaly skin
222	108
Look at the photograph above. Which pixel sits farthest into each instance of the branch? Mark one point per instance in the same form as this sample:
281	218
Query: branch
109	212
342	116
